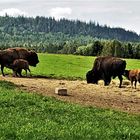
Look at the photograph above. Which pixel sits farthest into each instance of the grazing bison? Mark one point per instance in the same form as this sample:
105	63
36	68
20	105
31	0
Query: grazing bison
9	55
104	68
133	75
18	65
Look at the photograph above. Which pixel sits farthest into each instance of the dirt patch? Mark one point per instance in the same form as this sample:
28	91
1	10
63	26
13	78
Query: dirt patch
124	99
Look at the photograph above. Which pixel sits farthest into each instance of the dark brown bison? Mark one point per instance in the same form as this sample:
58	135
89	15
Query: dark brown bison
9	55
133	75
18	65
104	68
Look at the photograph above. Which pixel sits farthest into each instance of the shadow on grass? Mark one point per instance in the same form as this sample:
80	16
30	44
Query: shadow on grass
52	77
7	85
42	76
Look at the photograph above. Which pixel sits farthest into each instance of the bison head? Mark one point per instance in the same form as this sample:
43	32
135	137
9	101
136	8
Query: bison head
91	77
33	58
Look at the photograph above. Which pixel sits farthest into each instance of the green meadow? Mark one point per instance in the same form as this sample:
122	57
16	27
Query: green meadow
63	66
26	116
29	116
69	66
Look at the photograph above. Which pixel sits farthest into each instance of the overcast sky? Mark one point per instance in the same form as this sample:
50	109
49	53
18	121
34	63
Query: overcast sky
114	13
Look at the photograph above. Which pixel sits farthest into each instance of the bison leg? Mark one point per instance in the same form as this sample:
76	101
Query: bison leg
29	71
2	68
19	72
121	79
14	73
26	72
107	81
131	83
135	83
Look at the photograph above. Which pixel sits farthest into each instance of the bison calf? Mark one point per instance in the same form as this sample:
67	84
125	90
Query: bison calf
7	57
133	75
18	65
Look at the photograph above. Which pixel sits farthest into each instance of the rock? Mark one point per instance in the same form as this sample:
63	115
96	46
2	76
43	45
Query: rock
61	91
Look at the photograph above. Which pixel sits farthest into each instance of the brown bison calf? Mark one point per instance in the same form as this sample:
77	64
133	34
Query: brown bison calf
133	75
18	65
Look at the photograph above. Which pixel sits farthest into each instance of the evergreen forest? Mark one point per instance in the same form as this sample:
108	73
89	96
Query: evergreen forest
45	34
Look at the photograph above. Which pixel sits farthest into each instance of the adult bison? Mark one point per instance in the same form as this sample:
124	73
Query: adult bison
7	57
104	68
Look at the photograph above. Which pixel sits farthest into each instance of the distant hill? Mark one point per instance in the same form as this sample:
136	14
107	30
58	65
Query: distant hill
23	25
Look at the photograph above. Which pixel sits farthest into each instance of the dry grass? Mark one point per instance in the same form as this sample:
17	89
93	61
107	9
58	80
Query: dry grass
124	99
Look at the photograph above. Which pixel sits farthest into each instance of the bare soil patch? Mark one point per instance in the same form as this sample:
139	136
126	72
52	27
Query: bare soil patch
124	99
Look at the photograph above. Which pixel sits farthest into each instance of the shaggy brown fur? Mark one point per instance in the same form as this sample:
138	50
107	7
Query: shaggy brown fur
18	65
133	75
9	55
104	68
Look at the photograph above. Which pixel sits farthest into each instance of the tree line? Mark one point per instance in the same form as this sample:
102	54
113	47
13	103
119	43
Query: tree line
21	25
28	33
110	48
64	44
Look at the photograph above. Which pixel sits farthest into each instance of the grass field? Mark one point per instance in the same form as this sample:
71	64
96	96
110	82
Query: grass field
69	66
63	66
30	116
33	117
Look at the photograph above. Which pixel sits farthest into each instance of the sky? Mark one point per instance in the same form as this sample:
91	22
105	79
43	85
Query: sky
113	13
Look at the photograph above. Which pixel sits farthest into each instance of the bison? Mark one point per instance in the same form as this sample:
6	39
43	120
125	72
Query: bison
7	57
18	65
133	75
104	68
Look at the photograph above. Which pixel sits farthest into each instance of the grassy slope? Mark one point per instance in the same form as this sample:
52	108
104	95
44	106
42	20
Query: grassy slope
29	117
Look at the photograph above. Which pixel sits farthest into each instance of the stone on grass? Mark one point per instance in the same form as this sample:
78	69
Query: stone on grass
61	91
